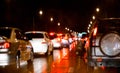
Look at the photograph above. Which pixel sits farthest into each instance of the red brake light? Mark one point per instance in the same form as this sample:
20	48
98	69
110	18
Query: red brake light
6	45
52	33
95	31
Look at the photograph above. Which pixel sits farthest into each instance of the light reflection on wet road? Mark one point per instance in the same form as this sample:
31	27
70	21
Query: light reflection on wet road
62	61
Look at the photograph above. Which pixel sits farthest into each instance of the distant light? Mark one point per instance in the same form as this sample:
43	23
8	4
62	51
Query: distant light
90	22
93	17
88	31
41	12
66	28
70	30
58	24
51	19
89	25
97	9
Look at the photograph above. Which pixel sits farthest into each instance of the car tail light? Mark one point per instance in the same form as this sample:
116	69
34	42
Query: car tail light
44	41
95	31
52	33
94	36
6	45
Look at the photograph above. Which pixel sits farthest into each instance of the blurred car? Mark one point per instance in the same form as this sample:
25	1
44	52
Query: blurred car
14	47
103	46
40	41
56	39
66	40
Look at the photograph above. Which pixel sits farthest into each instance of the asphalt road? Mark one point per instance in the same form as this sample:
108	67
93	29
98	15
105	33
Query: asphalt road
63	60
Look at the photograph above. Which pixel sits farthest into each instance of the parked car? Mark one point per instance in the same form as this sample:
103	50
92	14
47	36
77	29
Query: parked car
40	41
14	47
103	46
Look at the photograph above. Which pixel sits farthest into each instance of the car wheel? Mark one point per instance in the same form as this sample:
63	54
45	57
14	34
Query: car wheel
31	57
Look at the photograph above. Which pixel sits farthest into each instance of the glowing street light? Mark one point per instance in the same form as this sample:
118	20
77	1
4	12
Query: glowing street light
66	28
91	22
93	17
41	12
58	23
51	19
97	9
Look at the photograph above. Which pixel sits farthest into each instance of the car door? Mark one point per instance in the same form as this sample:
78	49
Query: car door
24	53
49	42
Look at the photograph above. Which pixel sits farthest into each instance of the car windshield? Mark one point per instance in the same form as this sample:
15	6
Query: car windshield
34	35
108	25
5	32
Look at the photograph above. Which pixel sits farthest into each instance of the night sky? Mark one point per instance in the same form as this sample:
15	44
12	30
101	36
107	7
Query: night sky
74	14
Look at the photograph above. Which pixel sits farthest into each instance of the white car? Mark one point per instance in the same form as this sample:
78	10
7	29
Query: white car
66	41
40	42
56	40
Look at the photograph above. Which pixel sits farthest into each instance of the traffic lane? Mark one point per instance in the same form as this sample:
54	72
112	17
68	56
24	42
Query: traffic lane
62	61
71	63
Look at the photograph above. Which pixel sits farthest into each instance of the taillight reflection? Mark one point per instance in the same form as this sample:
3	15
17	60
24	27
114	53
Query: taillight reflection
6	45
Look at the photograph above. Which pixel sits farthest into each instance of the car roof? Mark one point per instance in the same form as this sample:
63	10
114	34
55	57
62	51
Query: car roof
35	32
9	28
109	19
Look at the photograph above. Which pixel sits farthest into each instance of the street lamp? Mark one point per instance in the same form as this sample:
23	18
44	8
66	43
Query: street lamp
91	22
41	13
58	23
97	9
51	19
93	17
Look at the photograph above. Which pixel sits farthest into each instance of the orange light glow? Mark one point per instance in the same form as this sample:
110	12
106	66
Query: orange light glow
59	34
103	67
95	32
52	33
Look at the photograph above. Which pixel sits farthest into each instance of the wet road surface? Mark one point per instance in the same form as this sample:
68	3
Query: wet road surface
63	60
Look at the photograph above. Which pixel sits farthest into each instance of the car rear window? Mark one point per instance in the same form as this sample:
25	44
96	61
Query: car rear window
108	25
5	32
34	35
